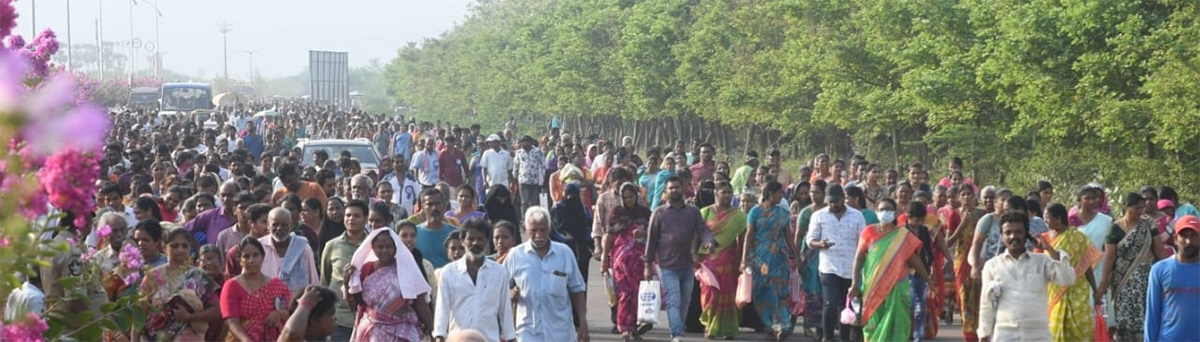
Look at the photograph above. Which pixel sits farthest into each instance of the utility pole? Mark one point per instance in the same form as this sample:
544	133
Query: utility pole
132	48
250	72
157	44
100	37
70	56
224	28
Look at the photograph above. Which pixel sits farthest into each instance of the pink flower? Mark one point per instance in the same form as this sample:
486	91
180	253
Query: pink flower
4	241
12	77
55	123
132	278
27	329
69	179
16	42
131	257
103	232
8	17
87	256
46	44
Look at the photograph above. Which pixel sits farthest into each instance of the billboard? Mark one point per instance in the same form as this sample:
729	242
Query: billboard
329	77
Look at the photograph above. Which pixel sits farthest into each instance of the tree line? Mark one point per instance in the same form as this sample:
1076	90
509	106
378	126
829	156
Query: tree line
1066	91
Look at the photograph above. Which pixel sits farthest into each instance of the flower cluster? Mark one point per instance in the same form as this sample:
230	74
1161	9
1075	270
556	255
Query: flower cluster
8	17
131	259
69	179
29	329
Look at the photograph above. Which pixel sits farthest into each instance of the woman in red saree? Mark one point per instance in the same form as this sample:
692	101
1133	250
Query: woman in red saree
623	246
254	305
384	286
968	289
720	315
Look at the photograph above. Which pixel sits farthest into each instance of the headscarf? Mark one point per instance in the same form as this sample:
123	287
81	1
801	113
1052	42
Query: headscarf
570	216
570	172
410	287
622	217
499	205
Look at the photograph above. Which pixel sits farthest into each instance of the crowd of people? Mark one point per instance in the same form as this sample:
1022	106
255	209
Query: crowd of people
236	237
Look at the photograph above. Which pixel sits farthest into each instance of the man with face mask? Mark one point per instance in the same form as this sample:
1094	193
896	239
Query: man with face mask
472	291
1014	300
1173	302
286	255
543	273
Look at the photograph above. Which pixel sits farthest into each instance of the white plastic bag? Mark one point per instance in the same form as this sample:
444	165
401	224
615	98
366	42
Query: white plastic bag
649	301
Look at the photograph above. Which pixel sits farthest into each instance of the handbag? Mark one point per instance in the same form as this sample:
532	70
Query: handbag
745	289
796	287
849	315
1101	332
648	301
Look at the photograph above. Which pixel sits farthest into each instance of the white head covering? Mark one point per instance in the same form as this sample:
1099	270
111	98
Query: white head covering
407	273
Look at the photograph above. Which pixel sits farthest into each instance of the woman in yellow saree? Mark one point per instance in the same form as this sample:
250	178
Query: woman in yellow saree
885	256
1070	307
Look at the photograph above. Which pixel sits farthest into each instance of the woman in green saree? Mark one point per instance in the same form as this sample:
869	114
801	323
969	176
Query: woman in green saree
885	256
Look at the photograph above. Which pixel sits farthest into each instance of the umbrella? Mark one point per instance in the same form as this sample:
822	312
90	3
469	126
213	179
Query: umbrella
228	99
269	112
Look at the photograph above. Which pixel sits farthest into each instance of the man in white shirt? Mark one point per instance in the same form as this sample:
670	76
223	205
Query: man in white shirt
547	286
287	256
405	190
472	292
834	233
497	164
1014	301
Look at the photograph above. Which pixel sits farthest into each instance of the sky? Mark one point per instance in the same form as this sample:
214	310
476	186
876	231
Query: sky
276	33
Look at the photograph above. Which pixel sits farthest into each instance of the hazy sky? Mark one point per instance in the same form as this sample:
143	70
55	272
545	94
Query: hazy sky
278	32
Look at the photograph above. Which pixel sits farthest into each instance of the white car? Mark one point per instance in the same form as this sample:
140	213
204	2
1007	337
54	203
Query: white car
360	149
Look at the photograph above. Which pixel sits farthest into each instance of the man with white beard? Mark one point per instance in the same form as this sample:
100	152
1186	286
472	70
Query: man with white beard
547	285
287	255
472	291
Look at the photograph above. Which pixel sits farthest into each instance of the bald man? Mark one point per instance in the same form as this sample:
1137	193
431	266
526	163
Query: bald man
286	254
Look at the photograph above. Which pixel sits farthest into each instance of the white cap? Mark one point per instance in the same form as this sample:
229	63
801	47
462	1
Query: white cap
493	137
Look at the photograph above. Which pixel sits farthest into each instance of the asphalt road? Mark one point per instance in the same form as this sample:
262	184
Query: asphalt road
600	327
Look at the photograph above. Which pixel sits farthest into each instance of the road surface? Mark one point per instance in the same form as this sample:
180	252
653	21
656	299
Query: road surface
600	327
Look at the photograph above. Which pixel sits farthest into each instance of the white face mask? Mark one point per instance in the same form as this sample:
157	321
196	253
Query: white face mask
887	216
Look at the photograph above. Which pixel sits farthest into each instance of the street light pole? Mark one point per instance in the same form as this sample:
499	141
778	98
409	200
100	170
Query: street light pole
100	37
132	50
157	43
224	29
70	48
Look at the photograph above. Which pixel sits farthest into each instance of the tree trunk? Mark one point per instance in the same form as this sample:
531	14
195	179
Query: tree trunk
896	149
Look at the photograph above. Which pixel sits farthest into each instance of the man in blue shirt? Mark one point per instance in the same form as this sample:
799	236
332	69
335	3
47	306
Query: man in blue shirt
1173	296
403	143
253	142
547	285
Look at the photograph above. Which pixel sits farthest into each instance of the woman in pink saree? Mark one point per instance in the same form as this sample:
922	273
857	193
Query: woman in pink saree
623	246
384	283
